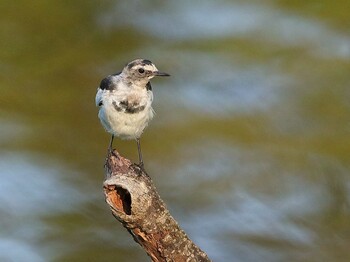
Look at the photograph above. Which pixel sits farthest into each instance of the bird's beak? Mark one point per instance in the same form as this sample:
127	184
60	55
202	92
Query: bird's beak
157	73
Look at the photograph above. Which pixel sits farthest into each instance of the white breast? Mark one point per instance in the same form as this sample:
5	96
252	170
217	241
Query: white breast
120	123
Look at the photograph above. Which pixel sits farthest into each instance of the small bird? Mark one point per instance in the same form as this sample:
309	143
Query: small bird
125	101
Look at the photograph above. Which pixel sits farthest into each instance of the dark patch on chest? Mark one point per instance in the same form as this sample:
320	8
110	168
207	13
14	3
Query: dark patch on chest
149	86
107	83
129	108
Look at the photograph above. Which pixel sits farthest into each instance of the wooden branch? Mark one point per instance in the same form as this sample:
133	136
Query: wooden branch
134	201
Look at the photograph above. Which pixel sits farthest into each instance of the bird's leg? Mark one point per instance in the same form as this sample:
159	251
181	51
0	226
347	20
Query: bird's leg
110	149
140	153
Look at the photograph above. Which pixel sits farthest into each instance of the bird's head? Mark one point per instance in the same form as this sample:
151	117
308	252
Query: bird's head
142	70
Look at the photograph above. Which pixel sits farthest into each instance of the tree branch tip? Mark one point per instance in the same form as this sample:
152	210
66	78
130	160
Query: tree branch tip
134	201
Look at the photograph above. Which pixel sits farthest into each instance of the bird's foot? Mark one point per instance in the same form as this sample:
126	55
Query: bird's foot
142	167
110	152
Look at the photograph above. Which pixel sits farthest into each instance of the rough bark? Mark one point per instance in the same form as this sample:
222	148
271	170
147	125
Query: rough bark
134	201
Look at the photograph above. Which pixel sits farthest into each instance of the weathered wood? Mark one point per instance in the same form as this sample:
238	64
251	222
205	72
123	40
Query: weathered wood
134	201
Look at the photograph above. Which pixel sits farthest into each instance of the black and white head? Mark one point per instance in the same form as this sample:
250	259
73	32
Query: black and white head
141	70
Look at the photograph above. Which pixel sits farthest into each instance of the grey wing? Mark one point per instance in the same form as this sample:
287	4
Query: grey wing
106	84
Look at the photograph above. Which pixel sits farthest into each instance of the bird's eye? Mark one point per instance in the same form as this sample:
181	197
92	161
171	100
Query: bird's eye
141	70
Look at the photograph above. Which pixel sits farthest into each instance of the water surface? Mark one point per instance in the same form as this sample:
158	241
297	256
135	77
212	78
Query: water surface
249	147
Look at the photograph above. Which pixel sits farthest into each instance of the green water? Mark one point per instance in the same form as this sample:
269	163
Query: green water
249	148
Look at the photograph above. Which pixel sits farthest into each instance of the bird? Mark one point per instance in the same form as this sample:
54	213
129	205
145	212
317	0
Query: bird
125	101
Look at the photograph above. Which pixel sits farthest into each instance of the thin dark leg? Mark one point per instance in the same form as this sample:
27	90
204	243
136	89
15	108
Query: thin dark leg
111	144
140	153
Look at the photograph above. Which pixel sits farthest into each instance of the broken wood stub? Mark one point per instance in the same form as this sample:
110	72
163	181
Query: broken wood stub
134	201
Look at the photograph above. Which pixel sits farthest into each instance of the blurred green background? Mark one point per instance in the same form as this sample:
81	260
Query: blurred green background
249	148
